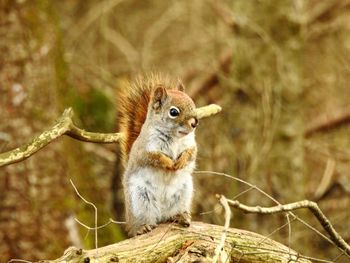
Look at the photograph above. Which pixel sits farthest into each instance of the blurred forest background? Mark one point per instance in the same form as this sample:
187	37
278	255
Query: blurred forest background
279	69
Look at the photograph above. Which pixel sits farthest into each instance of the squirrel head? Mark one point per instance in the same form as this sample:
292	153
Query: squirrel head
172	111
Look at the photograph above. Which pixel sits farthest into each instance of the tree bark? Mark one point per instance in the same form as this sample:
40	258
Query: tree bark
171	243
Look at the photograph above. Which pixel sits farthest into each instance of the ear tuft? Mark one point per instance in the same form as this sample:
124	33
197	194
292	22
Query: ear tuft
159	96
180	86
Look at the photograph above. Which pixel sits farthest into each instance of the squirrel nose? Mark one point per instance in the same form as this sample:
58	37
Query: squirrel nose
193	122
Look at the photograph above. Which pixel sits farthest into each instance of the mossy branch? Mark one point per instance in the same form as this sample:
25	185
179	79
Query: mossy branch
65	126
170	243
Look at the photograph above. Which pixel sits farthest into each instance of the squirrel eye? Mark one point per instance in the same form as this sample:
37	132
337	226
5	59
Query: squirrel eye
174	112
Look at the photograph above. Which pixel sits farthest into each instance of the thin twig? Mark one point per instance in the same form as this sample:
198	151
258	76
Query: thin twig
326	180
99	227
289	231
95	208
242	193
221	245
210	212
276	230
19	260
326	122
117	222
337	257
315	230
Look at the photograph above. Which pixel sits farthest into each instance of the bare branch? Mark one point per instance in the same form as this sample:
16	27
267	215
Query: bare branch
111	221
19	260
312	206
327	179
328	121
219	249
64	126
95	209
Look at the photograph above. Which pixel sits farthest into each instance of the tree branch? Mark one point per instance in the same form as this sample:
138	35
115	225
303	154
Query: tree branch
328	121
169	243
312	206
64	126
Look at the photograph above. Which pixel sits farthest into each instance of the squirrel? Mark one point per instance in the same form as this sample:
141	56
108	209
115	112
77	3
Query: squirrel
158	120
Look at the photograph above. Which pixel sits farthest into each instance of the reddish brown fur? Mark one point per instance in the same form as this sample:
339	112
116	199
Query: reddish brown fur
181	99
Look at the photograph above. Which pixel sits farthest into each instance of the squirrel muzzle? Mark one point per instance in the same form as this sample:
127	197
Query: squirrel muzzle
193	122
189	126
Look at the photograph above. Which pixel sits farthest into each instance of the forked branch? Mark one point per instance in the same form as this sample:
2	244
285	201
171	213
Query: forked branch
312	206
64	126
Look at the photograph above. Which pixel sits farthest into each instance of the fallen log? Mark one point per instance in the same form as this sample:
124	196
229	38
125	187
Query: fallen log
171	243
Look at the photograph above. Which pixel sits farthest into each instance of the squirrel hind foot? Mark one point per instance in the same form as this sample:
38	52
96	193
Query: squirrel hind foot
183	219
143	229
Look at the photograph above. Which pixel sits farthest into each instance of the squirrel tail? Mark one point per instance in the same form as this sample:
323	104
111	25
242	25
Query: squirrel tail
133	105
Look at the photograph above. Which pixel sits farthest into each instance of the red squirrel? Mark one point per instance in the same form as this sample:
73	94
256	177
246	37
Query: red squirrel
158	120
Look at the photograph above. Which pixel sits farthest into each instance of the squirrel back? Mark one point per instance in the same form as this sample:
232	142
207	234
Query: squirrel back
133	105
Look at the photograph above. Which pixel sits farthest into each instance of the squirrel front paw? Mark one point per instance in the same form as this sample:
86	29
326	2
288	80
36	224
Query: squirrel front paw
180	163
143	229
167	163
183	159
159	160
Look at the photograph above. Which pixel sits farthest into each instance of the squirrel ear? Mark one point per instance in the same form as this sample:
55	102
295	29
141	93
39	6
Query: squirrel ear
180	86
159	96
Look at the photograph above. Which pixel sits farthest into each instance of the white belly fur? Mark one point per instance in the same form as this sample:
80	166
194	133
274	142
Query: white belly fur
167	193
154	194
